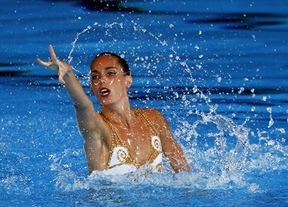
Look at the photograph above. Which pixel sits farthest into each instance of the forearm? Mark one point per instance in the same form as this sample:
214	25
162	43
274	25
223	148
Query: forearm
178	161
175	157
75	91
172	149
67	77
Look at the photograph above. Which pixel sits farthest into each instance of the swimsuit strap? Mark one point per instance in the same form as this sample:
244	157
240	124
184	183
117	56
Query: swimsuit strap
148	125
154	139
116	140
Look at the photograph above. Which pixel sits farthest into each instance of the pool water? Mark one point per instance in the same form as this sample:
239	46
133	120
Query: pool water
217	71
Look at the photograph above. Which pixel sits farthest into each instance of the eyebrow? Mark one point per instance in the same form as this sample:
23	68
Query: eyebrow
107	68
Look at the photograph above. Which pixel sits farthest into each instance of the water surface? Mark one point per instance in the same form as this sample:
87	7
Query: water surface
217	71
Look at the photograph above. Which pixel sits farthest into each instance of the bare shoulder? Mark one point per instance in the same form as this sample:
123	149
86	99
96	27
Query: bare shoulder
148	111
153	115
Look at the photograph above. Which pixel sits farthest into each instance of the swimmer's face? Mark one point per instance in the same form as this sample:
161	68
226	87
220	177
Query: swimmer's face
108	82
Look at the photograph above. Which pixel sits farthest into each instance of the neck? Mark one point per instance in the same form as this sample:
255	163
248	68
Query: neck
122	115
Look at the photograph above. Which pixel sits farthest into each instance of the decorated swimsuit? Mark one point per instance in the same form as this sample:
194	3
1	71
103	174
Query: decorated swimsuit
120	161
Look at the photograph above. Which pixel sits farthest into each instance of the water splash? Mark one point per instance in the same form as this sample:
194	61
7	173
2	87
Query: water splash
271	121
220	152
70	58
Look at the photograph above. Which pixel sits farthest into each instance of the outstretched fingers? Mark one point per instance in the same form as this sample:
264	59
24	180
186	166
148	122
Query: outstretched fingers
46	64
52	54
55	64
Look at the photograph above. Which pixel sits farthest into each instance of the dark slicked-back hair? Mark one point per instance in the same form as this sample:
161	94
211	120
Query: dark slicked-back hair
122	62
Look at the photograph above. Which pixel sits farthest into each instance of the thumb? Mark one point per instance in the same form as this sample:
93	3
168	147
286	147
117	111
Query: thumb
61	77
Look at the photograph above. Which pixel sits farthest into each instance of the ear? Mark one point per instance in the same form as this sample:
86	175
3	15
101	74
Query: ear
128	81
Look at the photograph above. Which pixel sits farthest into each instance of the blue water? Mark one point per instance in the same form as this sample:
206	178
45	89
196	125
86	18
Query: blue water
217	70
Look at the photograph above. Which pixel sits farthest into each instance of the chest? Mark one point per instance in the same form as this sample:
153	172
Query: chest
136	138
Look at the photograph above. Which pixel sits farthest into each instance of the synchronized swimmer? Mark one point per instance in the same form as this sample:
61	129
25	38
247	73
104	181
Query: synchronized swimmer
118	139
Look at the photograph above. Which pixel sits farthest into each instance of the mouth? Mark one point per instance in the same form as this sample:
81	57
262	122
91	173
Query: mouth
104	91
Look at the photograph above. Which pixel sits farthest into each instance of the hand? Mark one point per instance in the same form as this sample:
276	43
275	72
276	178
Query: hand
55	64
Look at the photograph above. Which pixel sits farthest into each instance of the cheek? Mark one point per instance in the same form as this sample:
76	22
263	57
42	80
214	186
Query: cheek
111	81
93	89
115	82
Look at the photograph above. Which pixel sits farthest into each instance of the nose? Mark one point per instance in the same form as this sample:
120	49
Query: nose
102	79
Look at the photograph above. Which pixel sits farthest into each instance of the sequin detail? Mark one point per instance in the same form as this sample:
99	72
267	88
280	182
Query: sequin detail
120	161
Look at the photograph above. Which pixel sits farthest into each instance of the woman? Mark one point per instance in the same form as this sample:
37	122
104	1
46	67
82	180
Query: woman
119	139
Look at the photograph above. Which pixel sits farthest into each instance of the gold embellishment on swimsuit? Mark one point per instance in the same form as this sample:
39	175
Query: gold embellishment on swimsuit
159	167
122	154
119	153
156	143
151	129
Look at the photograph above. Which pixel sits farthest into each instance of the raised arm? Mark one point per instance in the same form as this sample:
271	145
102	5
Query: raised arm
67	77
89	121
86	115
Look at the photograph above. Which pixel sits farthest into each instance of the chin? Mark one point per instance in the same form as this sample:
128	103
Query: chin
105	102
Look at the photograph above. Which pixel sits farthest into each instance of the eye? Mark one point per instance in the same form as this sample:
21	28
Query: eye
94	77
111	73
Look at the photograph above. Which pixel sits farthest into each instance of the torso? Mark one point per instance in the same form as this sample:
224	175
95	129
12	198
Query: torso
130	149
